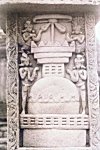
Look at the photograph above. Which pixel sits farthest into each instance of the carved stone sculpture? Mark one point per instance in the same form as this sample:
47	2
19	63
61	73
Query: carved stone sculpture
56	116
79	75
29	34
54	22
28	75
78	37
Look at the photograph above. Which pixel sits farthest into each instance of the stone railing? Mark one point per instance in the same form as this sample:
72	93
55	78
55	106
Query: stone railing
3	134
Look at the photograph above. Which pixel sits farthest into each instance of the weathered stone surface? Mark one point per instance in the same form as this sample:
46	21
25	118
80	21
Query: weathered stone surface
3	140
2	74
12	93
1	134
29	85
44	6
54	121
53	108
3	147
53	1
64	148
3	121
3	128
56	91
54	138
93	81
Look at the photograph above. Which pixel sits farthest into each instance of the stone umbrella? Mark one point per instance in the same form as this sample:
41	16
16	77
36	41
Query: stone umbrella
27	131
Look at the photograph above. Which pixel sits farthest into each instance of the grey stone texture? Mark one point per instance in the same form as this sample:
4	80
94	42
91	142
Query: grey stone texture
93	2
3	107
3	134
53	102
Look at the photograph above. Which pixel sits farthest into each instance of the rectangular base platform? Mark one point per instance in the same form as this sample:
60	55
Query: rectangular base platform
54	138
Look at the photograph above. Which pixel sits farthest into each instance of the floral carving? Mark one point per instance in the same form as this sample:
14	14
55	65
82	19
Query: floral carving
12	84
93	94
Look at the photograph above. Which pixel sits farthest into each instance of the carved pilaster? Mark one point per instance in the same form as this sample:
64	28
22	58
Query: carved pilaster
93	96
12	83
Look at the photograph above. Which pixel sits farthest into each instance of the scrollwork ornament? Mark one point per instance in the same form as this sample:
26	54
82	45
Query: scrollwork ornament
12	83
93	91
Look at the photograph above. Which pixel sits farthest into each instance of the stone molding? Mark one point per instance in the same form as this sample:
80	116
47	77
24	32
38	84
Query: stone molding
82	2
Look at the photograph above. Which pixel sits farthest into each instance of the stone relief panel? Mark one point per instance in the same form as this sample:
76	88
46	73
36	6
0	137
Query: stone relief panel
53	71
56	43
65	39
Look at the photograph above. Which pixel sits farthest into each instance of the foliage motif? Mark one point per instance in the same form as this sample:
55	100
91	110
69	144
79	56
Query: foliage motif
12	83
93	95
